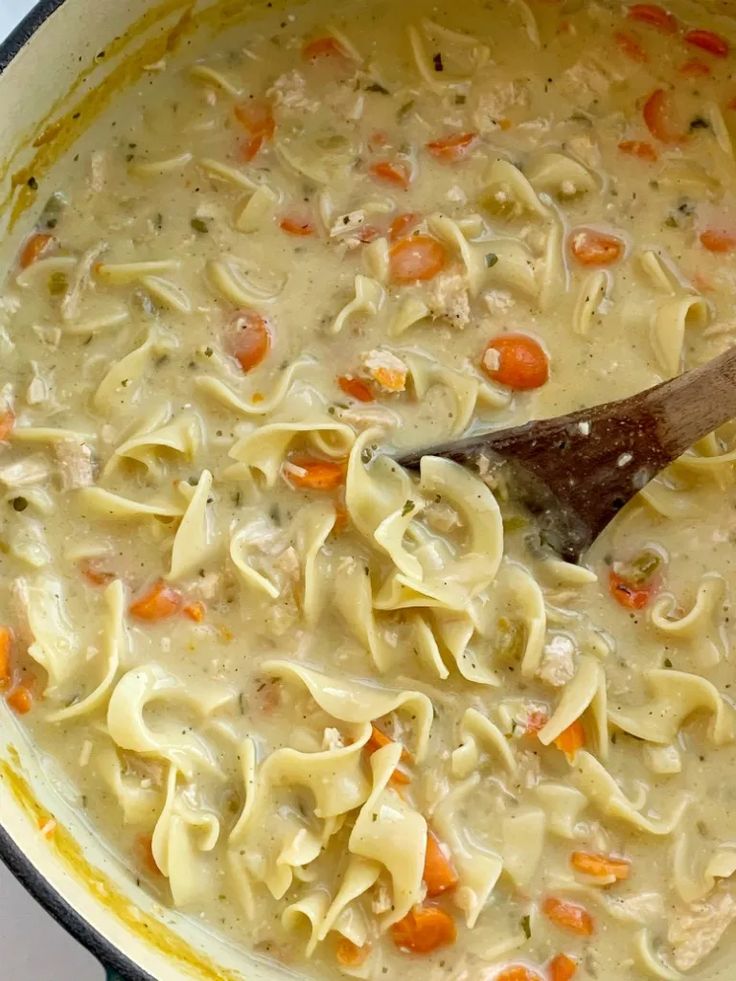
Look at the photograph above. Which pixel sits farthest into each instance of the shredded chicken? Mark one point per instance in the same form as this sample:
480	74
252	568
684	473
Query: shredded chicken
39	388
585	81
348	223
493	104
382	900
498	301
642	907
97	171
385	368
441	517
558	661
289	90
76	464
367	416
80	281
448	298
695	931
332	739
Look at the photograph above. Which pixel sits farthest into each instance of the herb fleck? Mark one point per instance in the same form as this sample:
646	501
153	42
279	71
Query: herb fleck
19	503
200	225
491	259
407	508
437	62
526	925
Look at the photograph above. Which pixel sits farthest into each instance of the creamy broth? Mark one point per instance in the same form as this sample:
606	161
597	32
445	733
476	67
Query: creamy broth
273	665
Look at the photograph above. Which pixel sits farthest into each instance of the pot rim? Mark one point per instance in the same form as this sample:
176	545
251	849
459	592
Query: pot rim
117	964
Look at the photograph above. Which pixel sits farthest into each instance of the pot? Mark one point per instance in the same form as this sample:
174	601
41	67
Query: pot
89	51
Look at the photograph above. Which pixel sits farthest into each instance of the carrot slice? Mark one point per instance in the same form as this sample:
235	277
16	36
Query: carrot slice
312	473
715	240
95	573
250	341
256	116
391	173
324	47
35	248
657	116
144	853
516	360
654	16
424	929
195	611
602	866
160	602
294	225
634	596
379	739
356	388
568	916
708	41
6	641
630	47
450	149
640	149
592	248
7	422
562	968
439	874
518	972
694	68
571	739
20	700
402	225
416	258
349	954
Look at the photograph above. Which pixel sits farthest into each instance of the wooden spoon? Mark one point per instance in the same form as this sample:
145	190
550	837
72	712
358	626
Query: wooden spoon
576	472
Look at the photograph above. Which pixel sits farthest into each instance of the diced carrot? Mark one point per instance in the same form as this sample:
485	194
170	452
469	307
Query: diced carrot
593	248
568	916
518	972
7	422
708	41
6	643
250	340
349	954
655	16
715	240
572	739
313	473
402	225
536	720
694	68
144	853
294	225
601	866
95	573
451	149
379	739
160	602
516	360
20	699
398	779
356	388
562	968
634	596
439	874
424	929
256	116
35	248
637	148
324	47
195	611
391	173
630	47
657	113
416	258
251	147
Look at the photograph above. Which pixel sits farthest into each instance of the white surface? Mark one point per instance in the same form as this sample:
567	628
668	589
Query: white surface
34	947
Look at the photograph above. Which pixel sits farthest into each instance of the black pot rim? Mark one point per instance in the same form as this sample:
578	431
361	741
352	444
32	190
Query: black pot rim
117	963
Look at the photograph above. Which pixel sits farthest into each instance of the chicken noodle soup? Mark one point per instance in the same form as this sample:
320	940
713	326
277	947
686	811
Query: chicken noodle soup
359	719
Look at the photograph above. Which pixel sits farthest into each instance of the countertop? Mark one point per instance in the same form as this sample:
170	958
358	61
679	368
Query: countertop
34	947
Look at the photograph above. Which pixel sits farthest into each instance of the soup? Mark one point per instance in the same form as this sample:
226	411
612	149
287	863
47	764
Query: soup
359	719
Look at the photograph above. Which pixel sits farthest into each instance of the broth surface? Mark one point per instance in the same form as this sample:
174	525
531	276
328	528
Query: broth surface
360	720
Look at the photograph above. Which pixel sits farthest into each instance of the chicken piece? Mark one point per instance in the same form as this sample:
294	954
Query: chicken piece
498	301
332	739
290	91
558	661
80	281
76	464
442	517
347	224
586	151
696	931
586	80
367	416
97	171
386	369
493	104
643	907
447	298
